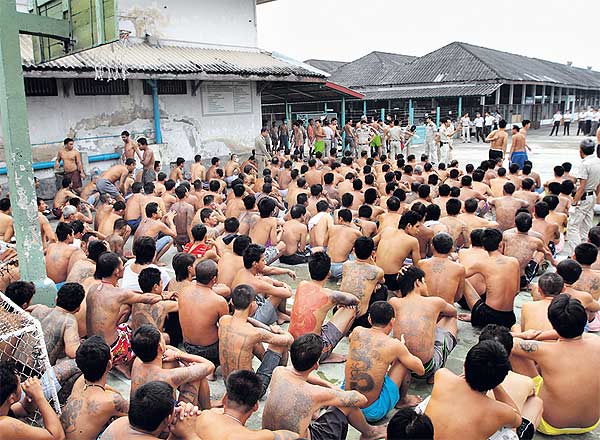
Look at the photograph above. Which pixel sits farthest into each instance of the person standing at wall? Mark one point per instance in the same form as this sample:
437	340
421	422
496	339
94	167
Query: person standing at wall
595	121
567	117
556	122
284	136
588	122
261	153
446	133
274	134
350	138
479	128
466	128
580	117
588	175
72	166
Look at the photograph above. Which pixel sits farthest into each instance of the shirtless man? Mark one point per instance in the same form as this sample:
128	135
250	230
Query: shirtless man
130	147
13	428
59	253
267	231
457	229
107	226
157	361
340	241
518	147
104	302
497	183
501	274
498	141
235	205
396	245
527	193
444	277
472	220
241	401
457	401
379	365
232	168
238	338
152	227
155	398
362	278
154	314
571	405
72	165
589	280
549	230
59	325
177	171
530	251
271	294
62	197
427	323
534	314
168	196
183	218
211	173
294	236
313	302
506	207
48	235
7	229
296	395
185	271
112	181
148	174
313	176
319	226
197	169
92	403
570	271
200	310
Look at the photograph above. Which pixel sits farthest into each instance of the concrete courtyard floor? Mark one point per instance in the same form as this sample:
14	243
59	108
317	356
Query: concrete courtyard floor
547	153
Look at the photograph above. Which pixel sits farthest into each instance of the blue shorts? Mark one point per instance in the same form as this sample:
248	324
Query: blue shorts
162	242
133	224
387	400
519	158
59	285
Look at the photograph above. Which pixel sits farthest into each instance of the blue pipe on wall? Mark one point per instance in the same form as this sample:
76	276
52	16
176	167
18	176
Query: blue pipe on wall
156	109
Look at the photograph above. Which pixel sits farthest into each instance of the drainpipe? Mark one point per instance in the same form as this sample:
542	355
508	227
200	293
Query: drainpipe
158	133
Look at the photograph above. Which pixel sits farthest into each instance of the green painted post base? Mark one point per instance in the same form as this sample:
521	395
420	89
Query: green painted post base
45	292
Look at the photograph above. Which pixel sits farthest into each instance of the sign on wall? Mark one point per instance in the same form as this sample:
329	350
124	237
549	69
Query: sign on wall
226	98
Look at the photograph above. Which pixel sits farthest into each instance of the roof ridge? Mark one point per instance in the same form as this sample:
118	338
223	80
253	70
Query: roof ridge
462	46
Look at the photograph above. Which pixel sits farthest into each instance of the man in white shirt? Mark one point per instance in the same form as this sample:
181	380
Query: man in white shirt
489	123
567	117
328	137
396	135
479	128
556	122
588	122
466	128
580	117
446	133
431	148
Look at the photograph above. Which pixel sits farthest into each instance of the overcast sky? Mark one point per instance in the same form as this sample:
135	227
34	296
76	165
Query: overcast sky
556	30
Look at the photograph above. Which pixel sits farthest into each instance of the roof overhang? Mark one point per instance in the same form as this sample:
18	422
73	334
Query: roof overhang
280	92
431	91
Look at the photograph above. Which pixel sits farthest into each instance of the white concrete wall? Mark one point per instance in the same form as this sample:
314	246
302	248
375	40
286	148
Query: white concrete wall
185	128
230	22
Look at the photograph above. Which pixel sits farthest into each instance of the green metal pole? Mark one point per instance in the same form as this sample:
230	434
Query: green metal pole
459	107
411	114
437	117
343	124
364	108
18	158
382	116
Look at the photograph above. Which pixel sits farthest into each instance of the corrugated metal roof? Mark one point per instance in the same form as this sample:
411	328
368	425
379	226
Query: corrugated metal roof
458	62
431	91
369	69
174	58
328	66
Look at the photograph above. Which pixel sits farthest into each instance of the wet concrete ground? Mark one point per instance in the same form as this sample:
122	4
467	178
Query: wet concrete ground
547	152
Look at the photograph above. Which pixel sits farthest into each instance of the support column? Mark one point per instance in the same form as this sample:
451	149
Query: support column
382	115
459	107
437	117
364	108
19	159
523	93
544	94
559	95
552	95
411	113
156	111
511	93
498	96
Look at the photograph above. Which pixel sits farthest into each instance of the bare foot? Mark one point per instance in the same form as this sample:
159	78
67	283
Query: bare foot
376	433
409	401
466	317
334	358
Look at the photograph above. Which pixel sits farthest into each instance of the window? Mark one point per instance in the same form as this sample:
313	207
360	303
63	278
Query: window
90	86
41	87
167	87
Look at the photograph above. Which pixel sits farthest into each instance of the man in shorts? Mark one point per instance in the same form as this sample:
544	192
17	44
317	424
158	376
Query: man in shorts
427	323
117	174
